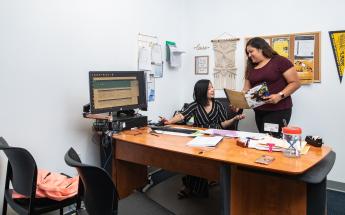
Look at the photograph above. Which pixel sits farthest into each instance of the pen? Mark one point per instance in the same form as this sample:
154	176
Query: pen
163	119
47	175
154	134
68	185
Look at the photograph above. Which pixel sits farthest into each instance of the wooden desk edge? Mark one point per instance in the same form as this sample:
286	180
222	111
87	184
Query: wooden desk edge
258	166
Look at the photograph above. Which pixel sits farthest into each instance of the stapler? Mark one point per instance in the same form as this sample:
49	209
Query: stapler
314	140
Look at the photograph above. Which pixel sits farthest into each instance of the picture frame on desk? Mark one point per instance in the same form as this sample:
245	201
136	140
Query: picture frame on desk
201	65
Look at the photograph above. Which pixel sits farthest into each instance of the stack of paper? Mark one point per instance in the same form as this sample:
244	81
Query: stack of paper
278	144
232	133
205	141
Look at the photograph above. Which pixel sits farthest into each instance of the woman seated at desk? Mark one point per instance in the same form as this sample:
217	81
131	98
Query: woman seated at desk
207	113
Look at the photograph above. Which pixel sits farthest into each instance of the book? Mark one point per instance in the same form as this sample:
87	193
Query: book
252	99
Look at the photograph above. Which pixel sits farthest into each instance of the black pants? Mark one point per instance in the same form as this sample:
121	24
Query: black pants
274	117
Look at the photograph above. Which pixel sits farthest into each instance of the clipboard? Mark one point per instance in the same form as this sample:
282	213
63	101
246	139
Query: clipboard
237	99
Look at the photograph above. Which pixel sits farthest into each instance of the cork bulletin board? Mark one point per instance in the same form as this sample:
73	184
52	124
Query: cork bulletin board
303	50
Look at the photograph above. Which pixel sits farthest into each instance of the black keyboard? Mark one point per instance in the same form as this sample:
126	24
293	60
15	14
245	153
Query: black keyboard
171	129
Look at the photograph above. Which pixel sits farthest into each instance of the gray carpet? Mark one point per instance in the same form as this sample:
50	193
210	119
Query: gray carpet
335	203
139	203
165	194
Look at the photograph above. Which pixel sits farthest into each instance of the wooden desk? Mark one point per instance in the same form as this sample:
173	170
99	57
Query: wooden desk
247	192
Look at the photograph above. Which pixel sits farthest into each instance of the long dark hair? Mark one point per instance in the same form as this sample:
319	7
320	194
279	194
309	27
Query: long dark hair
258	43
200	91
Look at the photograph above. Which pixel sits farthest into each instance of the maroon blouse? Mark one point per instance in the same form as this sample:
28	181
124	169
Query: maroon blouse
272	74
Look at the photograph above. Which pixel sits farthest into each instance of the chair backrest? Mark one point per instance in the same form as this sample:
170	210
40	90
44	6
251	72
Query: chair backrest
21	169
100	194
229	114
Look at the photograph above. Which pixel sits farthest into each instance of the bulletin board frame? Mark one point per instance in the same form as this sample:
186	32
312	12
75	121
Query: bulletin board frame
314	60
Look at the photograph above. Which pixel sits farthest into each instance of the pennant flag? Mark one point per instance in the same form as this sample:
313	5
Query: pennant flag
338	46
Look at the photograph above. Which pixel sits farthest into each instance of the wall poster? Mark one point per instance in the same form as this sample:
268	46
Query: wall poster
304	57
281	45
201	65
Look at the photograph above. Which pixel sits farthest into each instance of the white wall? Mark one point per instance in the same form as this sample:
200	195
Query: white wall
318	108
48	47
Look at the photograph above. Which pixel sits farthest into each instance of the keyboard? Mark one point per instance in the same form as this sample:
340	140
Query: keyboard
171	129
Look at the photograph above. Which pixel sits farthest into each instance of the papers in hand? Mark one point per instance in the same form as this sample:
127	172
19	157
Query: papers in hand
252	99
205	141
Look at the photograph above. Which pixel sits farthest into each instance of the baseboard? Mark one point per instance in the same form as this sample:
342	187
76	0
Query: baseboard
335	185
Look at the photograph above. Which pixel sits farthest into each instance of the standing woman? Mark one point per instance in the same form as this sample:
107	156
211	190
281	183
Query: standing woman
207	113
265	65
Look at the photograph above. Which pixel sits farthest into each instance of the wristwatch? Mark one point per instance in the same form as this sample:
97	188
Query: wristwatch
281	95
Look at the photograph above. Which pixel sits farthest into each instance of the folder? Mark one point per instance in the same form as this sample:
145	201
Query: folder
237	99
255	97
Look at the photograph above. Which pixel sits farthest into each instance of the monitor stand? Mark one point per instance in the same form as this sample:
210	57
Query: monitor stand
124	113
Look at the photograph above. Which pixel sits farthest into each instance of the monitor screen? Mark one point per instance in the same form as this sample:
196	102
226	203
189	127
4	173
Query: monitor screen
117	90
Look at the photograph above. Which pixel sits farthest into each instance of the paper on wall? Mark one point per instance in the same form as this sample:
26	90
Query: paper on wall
156	54
175	57
144	59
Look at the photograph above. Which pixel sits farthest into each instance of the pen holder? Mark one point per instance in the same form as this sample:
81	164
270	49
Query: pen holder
292	135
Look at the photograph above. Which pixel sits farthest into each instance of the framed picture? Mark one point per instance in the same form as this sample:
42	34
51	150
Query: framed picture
201	65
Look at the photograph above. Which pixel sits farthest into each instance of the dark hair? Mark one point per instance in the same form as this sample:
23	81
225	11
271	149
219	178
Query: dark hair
200	91
258	43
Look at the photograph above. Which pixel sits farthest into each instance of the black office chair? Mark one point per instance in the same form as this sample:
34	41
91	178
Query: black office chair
100	194
22	173
229	114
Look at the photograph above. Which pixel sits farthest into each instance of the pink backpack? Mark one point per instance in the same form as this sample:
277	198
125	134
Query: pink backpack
54	186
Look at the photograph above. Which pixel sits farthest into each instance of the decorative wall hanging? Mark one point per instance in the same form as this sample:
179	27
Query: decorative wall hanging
224	71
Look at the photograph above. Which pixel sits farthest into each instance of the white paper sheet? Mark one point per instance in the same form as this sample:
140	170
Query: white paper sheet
304	46
144	59
175	57
205	141
156	54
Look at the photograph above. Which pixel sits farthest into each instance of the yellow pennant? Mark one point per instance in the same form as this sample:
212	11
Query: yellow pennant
338	46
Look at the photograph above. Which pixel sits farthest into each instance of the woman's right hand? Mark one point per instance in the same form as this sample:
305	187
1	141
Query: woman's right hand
240	117
164	121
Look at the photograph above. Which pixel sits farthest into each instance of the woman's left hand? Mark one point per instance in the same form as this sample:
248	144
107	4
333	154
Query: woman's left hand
272	99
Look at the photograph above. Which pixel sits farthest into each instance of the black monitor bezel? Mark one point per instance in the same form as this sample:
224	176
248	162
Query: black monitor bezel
142	90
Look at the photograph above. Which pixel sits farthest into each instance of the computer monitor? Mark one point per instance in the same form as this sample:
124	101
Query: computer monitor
112	91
